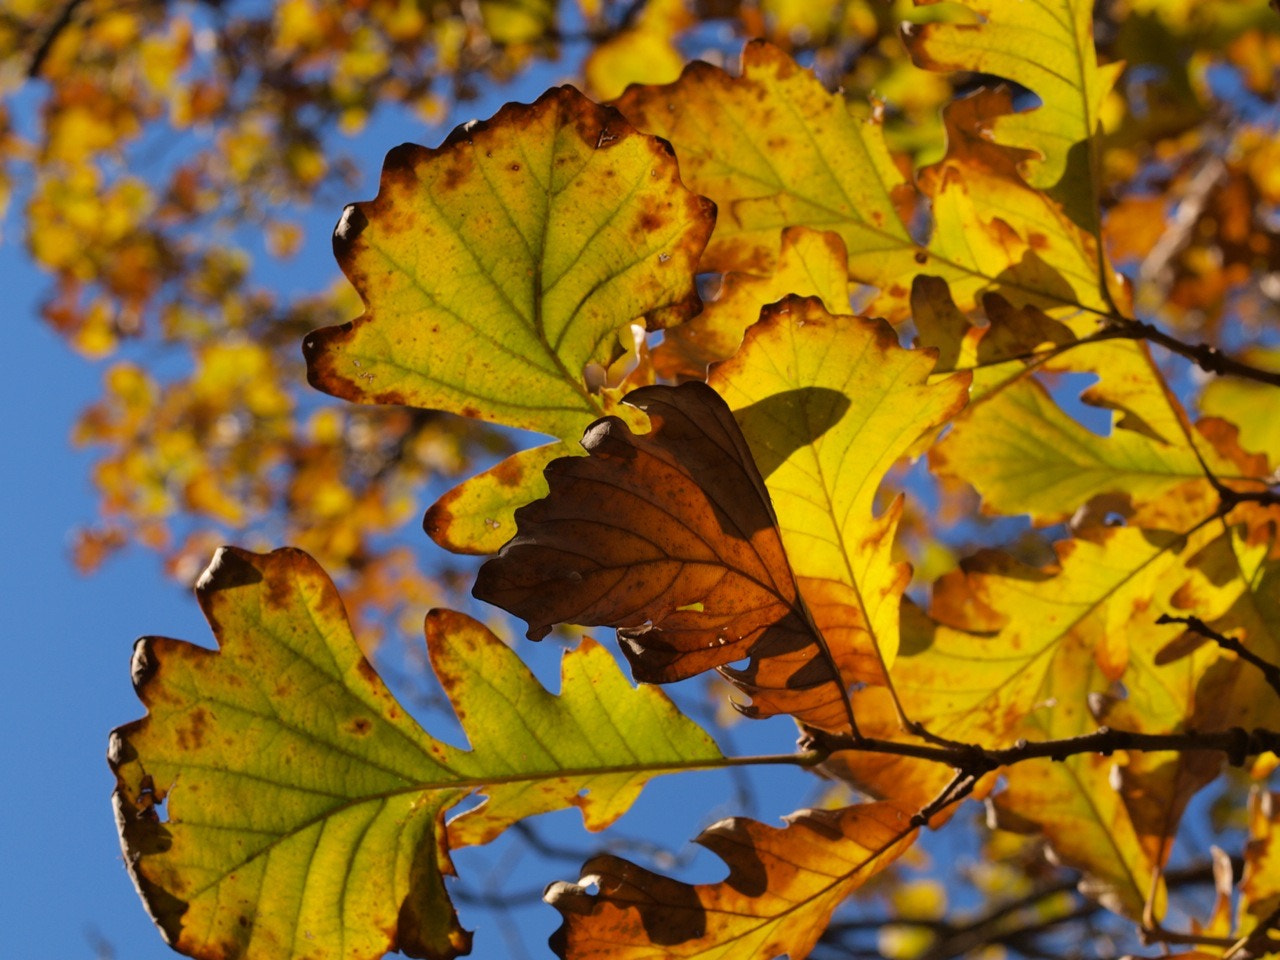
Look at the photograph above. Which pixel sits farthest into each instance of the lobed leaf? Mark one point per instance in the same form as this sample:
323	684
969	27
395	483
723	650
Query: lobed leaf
278	803
496	267
774	150
1015	652
782	887
828	404
670	537
497	271
1047	46
810	264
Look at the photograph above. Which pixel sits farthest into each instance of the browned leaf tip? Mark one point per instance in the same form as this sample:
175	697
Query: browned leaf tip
668	536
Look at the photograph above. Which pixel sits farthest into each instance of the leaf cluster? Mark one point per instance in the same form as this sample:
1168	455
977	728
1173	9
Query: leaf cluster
903	312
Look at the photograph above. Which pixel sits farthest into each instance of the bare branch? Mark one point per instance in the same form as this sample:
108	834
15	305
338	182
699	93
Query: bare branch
1196	625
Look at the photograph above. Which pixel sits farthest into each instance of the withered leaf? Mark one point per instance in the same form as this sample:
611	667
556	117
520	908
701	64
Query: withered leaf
782	887
669	536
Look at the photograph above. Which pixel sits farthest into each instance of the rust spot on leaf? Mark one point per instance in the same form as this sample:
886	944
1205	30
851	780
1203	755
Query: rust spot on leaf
651	221
360	726
191	737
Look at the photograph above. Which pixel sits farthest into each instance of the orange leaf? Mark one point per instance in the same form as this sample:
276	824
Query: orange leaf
782	887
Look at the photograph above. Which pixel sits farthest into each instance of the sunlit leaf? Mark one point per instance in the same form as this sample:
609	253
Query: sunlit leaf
1047	46
774	149
1260	885
1249	405
810	264
1025	455
828	404
478	515
277	802
523	244
670	537
1015	652
782	886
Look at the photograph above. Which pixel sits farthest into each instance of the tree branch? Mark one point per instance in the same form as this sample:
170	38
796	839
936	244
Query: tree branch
976	761
1196	625
1206	356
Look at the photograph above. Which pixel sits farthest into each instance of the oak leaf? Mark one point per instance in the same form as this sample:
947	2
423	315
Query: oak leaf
810	264
1048	48
671	538
782	887
522	244
827	404
268	772
1013	652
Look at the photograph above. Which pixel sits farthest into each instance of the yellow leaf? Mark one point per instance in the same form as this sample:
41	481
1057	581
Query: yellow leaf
1047	46
774	149
810	264
827	405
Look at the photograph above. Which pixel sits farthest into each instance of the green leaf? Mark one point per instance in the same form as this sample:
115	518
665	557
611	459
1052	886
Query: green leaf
278	803
498	266
1025	455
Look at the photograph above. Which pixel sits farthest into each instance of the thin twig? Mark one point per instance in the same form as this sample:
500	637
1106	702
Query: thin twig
1196	625
1206	356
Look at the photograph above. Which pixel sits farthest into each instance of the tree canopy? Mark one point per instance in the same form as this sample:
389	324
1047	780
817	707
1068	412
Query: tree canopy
906	369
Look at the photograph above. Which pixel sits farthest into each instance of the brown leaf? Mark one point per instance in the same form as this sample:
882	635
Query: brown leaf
782	886
670	537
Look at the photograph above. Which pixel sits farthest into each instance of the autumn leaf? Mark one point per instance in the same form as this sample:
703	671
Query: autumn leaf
1015	652
478	515
1023	454
524	244
669	537
810	264
774	149
782	887
1260	885
269	770
828	404
1048	48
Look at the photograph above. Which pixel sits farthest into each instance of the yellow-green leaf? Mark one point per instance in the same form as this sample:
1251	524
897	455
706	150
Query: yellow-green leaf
497	267
278	803
1023	454
1047	46
827	405
782	886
